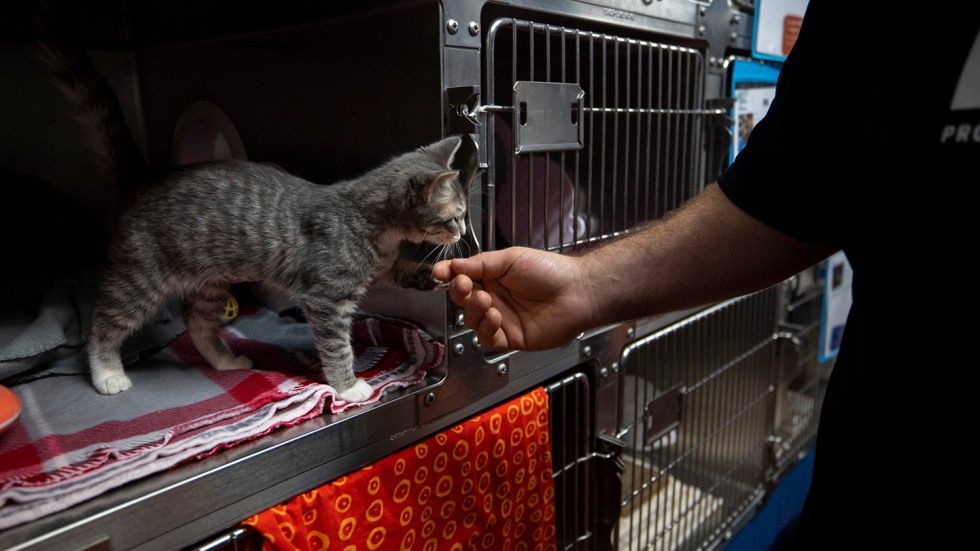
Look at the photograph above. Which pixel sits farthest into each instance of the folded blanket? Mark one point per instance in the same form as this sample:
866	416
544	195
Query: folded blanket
71	443
485	483
50	339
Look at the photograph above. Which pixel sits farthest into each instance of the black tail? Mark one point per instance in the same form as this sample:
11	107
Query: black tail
93	103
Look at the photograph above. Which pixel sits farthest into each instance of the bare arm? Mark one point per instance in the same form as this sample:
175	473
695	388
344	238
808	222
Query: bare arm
708	250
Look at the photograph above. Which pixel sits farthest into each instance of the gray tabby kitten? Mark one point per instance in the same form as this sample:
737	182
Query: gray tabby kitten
192	231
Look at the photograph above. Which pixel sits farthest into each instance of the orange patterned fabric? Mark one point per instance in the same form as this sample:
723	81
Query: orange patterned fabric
483	484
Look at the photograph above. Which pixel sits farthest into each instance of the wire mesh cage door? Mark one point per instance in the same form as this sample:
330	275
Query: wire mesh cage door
572	460
588	134
696	415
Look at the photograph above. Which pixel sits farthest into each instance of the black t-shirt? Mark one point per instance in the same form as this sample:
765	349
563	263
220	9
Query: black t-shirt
872	145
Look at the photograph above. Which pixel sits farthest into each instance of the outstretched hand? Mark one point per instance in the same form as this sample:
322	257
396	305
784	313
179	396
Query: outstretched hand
519	298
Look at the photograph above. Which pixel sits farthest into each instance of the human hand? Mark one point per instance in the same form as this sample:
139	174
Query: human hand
519	298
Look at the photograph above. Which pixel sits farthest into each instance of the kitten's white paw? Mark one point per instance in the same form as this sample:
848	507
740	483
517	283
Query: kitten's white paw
360	392
440	285
228	363
112	384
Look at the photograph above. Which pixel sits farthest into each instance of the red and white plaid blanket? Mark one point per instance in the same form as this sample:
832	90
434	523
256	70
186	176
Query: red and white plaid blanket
71	443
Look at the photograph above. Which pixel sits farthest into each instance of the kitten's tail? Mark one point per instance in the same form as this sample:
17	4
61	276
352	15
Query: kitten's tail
93	103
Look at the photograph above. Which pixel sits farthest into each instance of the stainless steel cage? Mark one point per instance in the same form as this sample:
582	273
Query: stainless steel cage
695	420
588	134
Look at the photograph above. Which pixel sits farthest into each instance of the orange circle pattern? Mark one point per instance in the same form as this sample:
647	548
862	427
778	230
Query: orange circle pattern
483	484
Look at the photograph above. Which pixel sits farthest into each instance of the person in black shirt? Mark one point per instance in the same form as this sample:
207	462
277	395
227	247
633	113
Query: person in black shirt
870	146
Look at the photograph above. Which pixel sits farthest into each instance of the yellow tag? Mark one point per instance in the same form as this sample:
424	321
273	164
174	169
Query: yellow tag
231	310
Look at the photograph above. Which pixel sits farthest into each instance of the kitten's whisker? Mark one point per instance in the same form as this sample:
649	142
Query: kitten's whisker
448	251
435	251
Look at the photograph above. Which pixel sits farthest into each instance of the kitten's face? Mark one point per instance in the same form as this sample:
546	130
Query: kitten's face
444	221
439	197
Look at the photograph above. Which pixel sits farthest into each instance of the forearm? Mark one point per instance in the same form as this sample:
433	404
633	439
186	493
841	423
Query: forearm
682	262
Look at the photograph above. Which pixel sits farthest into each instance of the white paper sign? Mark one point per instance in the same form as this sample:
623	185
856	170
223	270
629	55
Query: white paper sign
777	24
836	305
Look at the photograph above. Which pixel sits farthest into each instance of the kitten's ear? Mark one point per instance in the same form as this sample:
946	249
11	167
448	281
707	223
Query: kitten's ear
439	182
421	189
458	153
465	159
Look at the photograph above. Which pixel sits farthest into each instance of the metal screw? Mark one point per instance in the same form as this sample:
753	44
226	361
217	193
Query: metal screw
458	349
459	321
615	367
587	351
476	343
604	372
734	36
702	29
452	26
502	370
474	28
630	332
429	398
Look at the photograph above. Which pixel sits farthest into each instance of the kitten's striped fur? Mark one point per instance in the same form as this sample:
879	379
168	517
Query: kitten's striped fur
193	231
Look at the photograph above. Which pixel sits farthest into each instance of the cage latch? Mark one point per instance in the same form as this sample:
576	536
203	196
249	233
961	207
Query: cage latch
548	116
720	109
663	415
464	102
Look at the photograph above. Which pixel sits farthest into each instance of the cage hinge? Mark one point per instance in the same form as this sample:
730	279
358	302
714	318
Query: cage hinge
610	484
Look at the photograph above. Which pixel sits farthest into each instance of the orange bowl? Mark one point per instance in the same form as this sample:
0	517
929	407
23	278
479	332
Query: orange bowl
9	408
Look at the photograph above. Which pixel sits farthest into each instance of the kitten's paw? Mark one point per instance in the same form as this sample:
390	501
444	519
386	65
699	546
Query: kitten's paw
229	363
440	285
112	384
360	392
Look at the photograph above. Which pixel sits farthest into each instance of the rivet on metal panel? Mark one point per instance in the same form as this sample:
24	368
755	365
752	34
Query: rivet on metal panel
502	370
452	26
615	367
734	36
630	332
429	398
460	321
701	30
474	28
604	372
586	351
476	343
458	349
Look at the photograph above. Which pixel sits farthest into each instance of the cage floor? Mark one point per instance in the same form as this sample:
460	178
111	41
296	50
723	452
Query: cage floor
665	513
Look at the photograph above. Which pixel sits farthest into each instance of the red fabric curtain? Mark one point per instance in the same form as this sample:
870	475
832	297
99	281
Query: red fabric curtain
485	483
